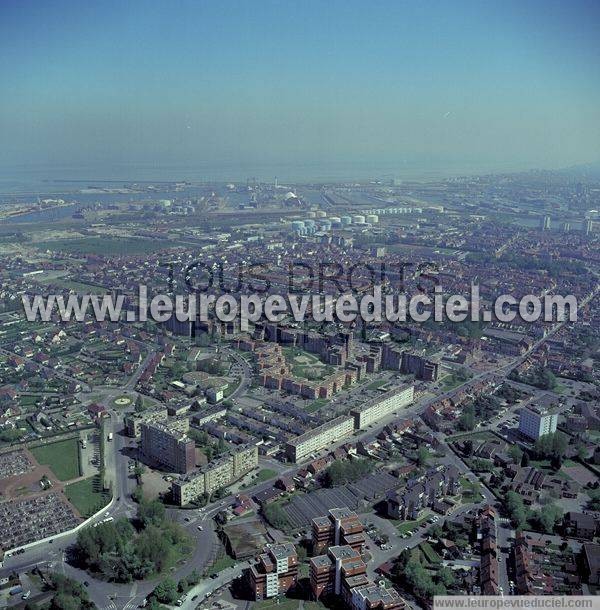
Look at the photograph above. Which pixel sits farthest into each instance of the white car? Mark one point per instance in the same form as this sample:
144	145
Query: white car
200	528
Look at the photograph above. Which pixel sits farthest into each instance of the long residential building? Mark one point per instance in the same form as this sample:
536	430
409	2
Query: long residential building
313	441
215	475
383	406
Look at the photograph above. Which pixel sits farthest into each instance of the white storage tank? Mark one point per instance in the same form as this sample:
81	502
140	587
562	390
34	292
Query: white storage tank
358	219
321	214
346	220
372	219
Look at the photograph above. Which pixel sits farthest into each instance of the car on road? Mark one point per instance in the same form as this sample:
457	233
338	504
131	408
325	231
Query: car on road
200	528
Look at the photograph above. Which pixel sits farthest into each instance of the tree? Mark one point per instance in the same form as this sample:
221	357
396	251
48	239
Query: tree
151	512
193	578
276	516
582	451
516	453
344	472
516	509
468	447
446	577
467	419
166	591
422	456
525	459
549	517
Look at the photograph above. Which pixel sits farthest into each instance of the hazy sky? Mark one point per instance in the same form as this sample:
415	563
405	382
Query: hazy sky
205	83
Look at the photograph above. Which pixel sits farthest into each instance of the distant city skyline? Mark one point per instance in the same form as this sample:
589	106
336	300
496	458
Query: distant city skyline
312	91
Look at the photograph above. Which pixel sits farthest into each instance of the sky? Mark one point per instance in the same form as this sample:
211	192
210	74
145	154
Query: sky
375	86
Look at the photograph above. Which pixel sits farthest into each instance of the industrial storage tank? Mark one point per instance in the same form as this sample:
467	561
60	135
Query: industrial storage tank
334	219
326	225
320	214
311	214
297	225
336	225
372	219
346	220
309	222
358	219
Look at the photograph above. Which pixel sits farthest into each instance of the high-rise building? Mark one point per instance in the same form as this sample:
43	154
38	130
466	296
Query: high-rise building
546	223
169	445
274	573
340	527
538	418
342	573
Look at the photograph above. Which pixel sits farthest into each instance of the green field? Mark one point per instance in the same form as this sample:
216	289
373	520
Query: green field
61	456
264	475
222	563
87	495
375	385
106	245
316	404
405	526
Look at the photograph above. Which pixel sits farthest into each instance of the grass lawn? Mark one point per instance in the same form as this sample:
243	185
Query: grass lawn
406	526
264	475
221	564
285	603
469	489
315	405
378	383
62	457
87	495
429	553
122	401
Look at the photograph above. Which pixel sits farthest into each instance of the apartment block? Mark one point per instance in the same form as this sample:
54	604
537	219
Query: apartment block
274	573
342	573
133	421
340	527
538	418
382	406
168	444
376	597
314	440
215	475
